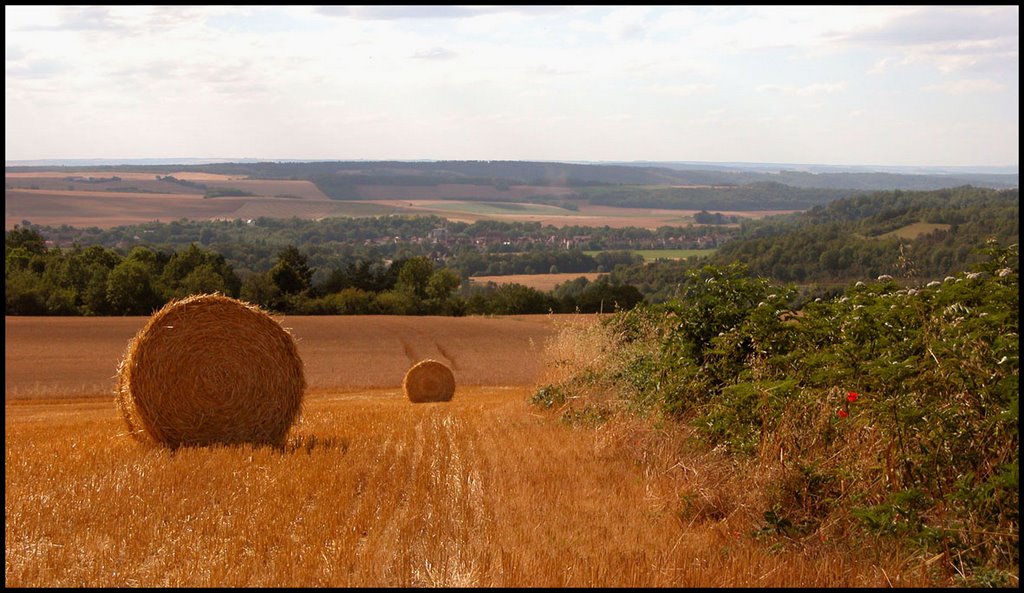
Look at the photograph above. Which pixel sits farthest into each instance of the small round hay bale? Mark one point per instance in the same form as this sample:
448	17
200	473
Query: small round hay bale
210	369
429	381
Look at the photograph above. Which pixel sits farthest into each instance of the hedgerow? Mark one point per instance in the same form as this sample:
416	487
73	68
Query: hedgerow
890	411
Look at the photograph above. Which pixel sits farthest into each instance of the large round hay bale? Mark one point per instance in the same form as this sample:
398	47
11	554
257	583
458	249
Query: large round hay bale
429	381
210	369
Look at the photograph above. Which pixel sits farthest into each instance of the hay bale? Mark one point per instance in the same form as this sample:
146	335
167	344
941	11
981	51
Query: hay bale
210	369
429	381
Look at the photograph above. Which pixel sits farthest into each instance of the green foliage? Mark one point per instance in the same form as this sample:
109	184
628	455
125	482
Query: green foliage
548	396
603	296
764	195
99	281
130	288
908	397
512	299
414	277
291	274
196	271
846	240
30	240
223	192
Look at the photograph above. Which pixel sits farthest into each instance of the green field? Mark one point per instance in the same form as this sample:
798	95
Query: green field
499	208
357	209
653	254
915	230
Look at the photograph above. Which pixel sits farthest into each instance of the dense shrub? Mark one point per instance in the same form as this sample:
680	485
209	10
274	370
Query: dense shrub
888	409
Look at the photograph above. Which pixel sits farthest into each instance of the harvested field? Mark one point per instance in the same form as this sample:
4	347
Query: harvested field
134	175
55	198
371	490
110	209
585	215
454	191
80	354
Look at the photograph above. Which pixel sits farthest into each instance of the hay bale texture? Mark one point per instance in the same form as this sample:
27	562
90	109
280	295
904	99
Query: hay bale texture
210	369
429	381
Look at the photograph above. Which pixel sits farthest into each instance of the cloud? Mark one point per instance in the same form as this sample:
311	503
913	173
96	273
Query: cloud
941	25
13	54
881	65
622	24
434	53
952	39
803	91
38	69
398	12
80	18
545	70
683	90
964	87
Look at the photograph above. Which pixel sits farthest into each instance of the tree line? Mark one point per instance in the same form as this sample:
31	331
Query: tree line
96	280
470	248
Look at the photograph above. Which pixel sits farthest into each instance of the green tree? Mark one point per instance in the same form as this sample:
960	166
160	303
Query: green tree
442	284
601	296
260	289
291	274
195	270
130	289
26	238
397	302
414	277
517	299
24	293
203	279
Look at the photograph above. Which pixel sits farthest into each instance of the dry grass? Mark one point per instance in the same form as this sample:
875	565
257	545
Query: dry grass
372	492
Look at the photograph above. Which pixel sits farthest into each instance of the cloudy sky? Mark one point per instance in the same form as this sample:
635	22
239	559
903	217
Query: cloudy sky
841	85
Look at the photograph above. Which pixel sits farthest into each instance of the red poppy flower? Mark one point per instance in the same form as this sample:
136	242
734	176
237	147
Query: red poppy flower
852	396
842	413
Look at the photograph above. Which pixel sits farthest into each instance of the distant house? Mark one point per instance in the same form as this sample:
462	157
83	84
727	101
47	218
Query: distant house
439	234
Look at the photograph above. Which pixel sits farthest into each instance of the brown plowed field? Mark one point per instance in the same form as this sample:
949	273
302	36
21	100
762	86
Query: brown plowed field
51	199
110	209
454	191
78	356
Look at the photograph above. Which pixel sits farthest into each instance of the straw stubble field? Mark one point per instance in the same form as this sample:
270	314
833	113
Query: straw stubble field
371	489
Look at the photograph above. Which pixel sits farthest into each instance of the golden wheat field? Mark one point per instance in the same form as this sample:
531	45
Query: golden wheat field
372	490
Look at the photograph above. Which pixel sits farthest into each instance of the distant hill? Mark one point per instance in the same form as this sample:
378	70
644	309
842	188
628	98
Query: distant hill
342	174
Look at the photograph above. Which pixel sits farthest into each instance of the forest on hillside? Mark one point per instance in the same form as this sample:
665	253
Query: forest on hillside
913	236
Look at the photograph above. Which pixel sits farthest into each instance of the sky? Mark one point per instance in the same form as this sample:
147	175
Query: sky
836	85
